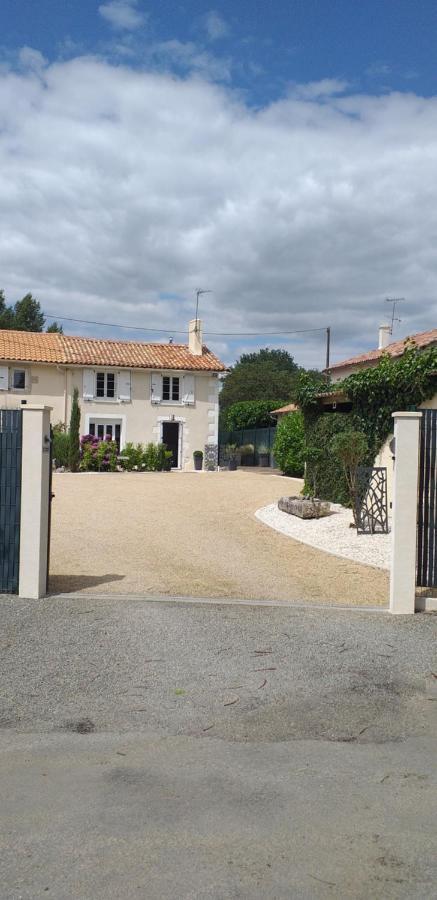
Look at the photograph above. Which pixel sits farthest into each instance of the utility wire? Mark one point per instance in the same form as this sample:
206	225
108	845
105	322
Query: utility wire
173	331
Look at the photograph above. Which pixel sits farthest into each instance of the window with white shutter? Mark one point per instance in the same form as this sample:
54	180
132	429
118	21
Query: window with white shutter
4	378
88	384
124	386
188	390
156	388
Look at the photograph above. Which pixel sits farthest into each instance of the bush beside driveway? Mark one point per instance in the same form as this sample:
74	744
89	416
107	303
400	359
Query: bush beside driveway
192	534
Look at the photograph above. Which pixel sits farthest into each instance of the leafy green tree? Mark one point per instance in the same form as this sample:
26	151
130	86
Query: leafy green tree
288	448
6	313
74	433
251	414
260	376
351	448
55	328
28	315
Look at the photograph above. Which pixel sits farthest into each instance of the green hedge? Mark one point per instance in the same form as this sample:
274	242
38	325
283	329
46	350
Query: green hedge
61	445
250	414
324	474
288	448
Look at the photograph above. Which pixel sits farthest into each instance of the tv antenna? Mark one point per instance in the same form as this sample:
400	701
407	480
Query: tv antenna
199	292
394	318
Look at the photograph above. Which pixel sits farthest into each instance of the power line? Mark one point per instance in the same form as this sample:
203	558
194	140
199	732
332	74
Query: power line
174	331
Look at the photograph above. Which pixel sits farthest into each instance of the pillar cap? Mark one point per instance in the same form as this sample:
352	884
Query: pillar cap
36	406
407	415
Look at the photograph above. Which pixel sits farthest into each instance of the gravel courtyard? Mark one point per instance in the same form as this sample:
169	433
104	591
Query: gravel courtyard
187	534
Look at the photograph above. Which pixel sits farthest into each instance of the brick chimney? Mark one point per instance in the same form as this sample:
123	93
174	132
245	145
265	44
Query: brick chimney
383	336
195	337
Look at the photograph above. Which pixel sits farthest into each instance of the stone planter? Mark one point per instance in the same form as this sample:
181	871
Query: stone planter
304	507
264	459
232	465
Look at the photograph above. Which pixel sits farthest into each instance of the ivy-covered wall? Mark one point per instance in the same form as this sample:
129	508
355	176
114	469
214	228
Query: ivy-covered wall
403	383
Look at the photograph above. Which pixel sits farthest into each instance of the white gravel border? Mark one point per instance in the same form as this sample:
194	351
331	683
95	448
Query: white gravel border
331	534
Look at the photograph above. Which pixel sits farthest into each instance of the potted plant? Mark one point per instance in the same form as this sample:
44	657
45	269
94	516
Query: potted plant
263	455
231	453
247	452
198	460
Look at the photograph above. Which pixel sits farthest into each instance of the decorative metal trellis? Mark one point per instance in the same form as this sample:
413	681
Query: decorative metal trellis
371	508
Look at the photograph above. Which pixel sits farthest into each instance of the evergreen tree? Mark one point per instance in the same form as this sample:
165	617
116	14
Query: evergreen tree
54	327
6	313
28	315
74	432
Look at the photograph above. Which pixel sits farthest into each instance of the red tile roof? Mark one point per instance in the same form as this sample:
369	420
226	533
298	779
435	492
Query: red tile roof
291	407
65	350
422	340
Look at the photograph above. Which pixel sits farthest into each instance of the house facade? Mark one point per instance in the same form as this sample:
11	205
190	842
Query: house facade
130	391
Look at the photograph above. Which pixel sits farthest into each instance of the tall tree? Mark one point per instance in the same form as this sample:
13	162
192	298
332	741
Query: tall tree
263	375
74	433
55	327
6	313
28	315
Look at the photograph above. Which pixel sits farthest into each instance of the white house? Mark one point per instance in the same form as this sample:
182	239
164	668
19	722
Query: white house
129	390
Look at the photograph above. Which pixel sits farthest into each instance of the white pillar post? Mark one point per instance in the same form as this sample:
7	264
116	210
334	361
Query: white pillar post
34	522
404	523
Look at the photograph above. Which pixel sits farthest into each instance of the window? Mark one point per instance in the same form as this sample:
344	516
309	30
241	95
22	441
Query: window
171	388
19	380
105	385
102	430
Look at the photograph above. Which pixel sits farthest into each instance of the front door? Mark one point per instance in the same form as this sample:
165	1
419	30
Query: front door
170	437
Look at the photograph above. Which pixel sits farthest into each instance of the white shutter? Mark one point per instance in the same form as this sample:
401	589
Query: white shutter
156	388
4	378
88	384
188	390
124	385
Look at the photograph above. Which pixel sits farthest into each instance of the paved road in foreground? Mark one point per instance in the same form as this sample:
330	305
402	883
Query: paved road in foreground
173	751
192	534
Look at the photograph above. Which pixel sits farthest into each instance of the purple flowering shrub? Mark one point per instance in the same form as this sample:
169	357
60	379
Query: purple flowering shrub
97	455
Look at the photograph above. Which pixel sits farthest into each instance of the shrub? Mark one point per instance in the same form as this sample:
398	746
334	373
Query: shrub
61	445
149	458
97	455
351	448
251	414
325	477
132	457
289	444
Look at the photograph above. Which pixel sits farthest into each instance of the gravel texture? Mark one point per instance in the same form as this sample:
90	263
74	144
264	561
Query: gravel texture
164	750
192	535
332	534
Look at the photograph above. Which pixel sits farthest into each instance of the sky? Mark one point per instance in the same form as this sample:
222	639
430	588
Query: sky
282	155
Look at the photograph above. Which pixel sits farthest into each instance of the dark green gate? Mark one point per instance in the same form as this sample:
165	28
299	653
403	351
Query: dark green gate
10	498
427	507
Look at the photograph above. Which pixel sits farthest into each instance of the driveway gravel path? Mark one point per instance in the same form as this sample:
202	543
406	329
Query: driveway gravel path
192	535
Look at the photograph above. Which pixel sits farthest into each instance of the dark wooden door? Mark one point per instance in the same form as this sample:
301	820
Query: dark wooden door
170	437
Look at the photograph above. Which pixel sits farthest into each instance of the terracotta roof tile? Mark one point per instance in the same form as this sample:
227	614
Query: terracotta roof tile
422	340
291	407
76	351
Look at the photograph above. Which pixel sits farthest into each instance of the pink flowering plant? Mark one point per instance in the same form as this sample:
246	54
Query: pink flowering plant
97	455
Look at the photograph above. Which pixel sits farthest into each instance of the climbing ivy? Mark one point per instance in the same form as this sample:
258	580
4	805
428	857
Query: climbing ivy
401	383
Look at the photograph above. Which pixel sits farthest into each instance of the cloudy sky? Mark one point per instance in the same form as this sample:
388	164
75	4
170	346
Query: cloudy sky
283	155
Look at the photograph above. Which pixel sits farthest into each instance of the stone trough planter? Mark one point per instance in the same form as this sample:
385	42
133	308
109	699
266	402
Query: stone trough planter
304	507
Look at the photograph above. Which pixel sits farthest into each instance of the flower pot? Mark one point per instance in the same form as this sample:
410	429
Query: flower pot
232	465
198	463
264	459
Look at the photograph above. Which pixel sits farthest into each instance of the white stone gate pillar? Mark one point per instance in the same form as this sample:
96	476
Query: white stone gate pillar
404	523
35	485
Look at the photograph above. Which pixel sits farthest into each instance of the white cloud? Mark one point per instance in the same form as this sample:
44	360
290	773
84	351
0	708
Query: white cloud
122	14
29	58
215	25
120	186
186	56
315	90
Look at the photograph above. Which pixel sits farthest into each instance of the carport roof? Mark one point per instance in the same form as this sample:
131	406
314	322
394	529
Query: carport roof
63	349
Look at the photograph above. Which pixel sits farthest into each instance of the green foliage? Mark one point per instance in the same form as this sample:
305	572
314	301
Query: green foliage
132	456
61	445
56	328
6	313
351	448
260	376
251	414
74	433
325	477
97	455
149	458
198	454
28	315
289	444
394	384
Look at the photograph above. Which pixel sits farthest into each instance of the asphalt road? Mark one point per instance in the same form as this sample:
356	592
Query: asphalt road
160	750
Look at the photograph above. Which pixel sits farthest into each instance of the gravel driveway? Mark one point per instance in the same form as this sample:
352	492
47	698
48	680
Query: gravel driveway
192	535
163	750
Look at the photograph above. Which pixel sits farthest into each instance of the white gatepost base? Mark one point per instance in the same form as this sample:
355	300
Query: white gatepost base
35	482
404	523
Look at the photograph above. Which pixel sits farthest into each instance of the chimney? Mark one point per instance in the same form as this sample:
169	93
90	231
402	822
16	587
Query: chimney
384	336
195	337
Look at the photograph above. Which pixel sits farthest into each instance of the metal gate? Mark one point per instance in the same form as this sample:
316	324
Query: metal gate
427	508
10	498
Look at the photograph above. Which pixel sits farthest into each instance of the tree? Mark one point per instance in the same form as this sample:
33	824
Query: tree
74	432
260	376
28	315
54	327
289	444
351	448
6	313
251	414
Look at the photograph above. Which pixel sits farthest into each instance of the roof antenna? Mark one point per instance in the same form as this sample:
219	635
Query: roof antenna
394	318
199	291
